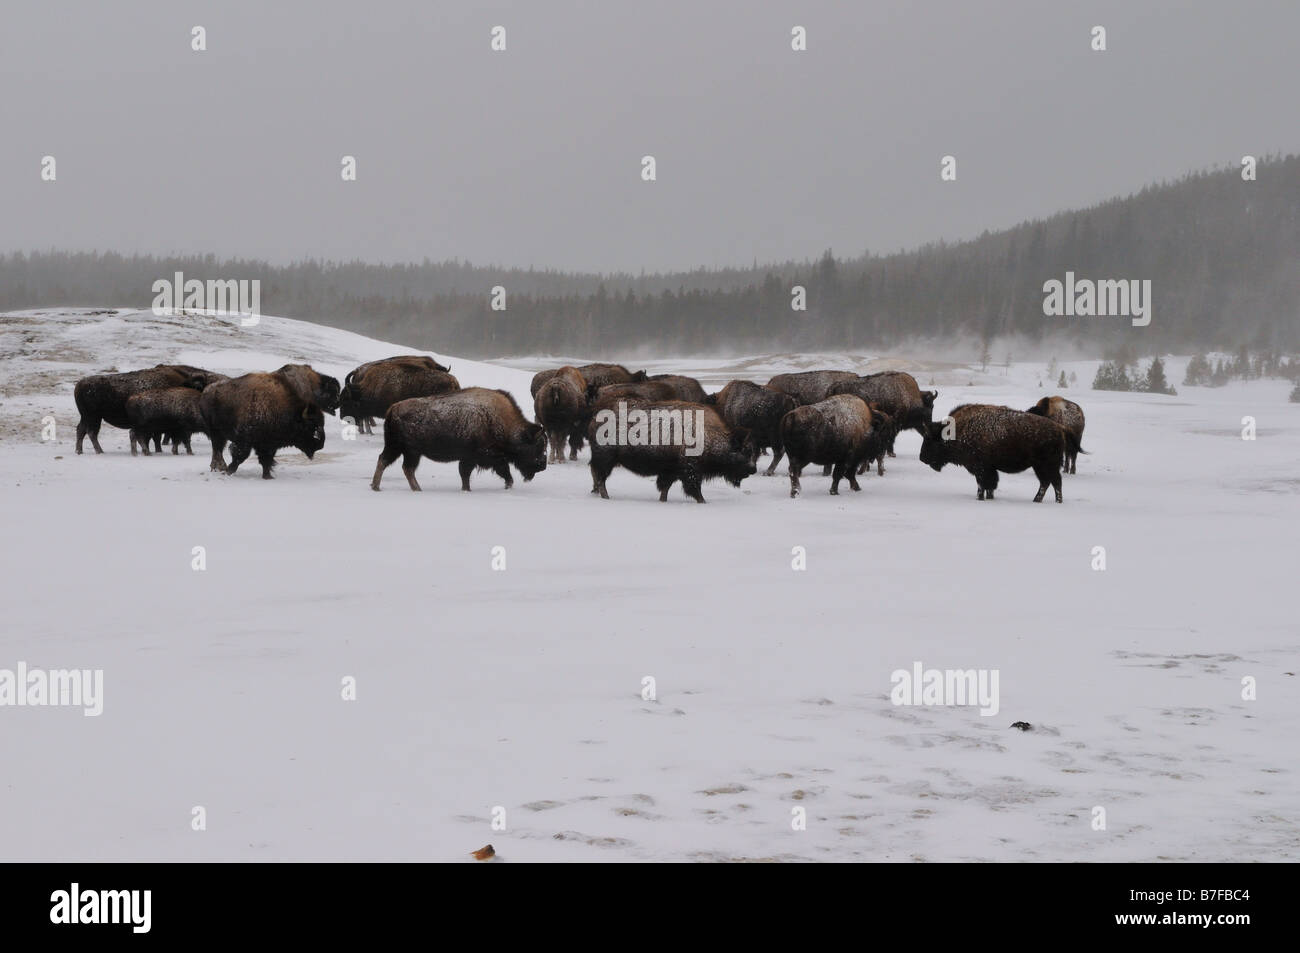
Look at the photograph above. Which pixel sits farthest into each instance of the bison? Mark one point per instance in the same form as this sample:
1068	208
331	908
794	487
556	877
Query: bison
476	426
381	384
1070	416
883	432
835	431
366	422
987	439
260	413
102	398
677	440
559	407
170	411
758	409
809	387
596	375
897	394
686	388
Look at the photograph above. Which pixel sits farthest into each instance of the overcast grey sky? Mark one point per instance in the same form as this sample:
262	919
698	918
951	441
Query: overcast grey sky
532	156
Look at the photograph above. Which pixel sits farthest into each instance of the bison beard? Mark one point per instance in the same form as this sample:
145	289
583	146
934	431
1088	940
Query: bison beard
727	453
988	439
476	427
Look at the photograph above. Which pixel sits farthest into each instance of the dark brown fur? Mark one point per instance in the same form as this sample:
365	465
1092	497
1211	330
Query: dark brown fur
170	411
383	383
808	387
102	398
835	431
559	407
759	409
685	388
475	427
988	439
1070	416
725	452
261	413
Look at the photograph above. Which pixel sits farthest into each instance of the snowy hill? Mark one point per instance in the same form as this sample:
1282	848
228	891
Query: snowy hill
479	688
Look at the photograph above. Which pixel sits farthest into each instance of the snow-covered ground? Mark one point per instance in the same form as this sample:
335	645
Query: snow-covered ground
521	688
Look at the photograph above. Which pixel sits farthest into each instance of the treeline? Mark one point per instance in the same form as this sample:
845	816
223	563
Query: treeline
1220	252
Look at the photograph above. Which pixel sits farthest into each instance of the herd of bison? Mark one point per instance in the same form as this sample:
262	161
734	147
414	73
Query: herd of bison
838	419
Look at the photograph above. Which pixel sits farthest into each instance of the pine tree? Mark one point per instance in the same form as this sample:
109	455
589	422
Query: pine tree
1198	372
1155	382
1061	383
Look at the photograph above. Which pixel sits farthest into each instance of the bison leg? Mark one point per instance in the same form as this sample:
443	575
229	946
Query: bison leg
267	459
238	454
217	465
690	486
135	438
664	482
157	443
600	468
502	470
386	458
987	480
795	470
89	426
466	468
837	474
827	470
410	460
852	476
575	444
778	450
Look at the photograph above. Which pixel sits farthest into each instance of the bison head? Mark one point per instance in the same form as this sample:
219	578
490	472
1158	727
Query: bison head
739	459
1039	408
328	394
309	430
529	454
639	376
934	449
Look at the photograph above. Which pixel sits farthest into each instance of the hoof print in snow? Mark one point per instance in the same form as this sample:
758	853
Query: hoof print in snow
1022	725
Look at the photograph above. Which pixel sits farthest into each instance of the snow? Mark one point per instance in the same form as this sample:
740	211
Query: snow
521	689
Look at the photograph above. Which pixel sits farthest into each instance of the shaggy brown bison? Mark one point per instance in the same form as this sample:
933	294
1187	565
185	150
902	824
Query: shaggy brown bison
596	376
686	388
366	421
835	431
476	426
808	387
370	390
897	394
757	408
102	398
170	411
986	440
1070	416
260	413
559	407
670	440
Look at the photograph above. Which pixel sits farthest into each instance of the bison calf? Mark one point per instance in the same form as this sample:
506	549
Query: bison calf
986	440
835	431
476	427
171	411
1070	416
102	398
